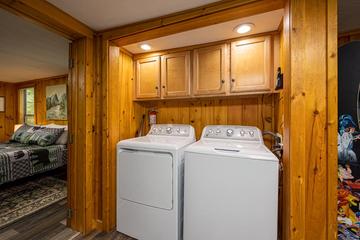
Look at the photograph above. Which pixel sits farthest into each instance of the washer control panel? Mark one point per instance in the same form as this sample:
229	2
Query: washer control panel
180	130
235	132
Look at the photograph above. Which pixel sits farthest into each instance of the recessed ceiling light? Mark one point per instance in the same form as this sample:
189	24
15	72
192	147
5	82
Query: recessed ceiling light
244	28
145	47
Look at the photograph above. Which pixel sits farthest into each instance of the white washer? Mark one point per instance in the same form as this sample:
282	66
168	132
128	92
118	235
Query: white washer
231	186
150	183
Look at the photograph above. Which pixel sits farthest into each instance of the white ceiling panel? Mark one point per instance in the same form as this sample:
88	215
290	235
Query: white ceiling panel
100	15
28	51
263	23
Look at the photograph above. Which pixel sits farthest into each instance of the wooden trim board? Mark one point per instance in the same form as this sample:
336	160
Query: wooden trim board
200	17
47	15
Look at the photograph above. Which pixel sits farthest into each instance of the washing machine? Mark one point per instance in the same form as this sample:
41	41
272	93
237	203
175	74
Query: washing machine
150	182
231	186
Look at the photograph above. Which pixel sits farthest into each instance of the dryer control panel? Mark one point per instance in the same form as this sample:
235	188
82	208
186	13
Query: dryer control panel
232	132
178	130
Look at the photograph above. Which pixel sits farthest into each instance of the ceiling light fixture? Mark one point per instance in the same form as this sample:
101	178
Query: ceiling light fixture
244	28
145	47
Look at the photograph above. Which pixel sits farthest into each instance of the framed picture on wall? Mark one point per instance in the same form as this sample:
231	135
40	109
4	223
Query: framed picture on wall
56	102
2	104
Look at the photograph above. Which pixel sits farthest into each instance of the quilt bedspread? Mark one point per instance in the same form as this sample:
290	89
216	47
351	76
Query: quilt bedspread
19	160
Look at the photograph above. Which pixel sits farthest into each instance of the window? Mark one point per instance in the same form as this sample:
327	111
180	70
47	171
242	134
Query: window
27	105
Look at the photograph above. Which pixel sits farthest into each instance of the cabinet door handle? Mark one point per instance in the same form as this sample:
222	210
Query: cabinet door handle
156	87
163	86
222	81
233	80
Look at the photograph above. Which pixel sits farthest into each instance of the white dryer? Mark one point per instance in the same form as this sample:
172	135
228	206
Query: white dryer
150	183
231	186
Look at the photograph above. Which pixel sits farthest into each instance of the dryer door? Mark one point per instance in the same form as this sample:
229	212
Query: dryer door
146	178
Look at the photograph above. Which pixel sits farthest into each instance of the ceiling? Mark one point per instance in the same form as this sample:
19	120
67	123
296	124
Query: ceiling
263	23
29	52
113	13
349	19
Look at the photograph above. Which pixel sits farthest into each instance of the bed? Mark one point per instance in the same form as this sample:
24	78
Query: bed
19	160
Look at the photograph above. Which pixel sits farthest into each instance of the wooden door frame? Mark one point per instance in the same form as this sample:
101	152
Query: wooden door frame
310	120
80	85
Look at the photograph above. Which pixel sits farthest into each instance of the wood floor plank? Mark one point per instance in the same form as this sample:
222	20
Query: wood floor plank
50	224
54	231
67	233
8	234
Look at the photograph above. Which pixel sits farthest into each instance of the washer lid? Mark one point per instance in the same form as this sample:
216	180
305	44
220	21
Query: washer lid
255	151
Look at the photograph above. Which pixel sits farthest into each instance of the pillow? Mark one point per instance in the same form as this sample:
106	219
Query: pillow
17	134
45	136
63	139
25	130
25	137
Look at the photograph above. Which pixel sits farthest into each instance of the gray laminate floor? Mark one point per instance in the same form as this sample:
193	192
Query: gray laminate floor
50	224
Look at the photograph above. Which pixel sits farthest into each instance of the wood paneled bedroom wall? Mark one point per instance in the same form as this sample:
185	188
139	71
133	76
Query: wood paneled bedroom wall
40	97
10	117
7	118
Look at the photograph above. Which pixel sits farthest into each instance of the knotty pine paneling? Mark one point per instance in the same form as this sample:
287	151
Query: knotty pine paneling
7	118
310	120
256	111
40	98
81	103
121	119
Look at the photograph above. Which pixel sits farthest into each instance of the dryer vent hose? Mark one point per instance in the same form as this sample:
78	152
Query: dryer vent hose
277	147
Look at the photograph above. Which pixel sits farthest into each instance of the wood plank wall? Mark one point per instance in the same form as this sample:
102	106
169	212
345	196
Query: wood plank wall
81	131
7	118
11	115
256	110
310	126
122	122
40	97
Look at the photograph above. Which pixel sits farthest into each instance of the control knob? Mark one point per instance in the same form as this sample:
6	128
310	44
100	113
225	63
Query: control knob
168	130
229	132
251	133
242	132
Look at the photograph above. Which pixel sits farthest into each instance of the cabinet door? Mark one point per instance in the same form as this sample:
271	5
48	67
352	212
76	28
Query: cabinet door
251	65
210	70
148	77
175	74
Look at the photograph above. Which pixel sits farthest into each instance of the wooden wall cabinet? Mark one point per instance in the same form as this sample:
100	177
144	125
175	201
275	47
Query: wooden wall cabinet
175	75
210	70
251	65
230	68
148	78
